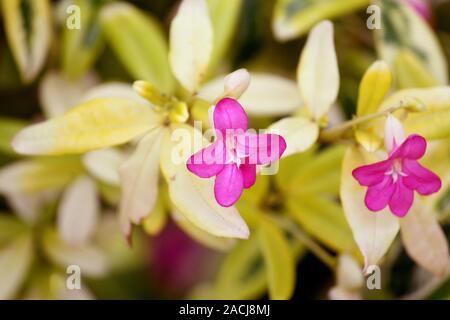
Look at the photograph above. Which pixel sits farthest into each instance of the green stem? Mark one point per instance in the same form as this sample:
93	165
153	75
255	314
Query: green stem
334	133
290	227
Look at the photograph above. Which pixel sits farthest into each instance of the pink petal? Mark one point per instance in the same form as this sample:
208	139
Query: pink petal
378	196
229	114
372	174
413	148
229	185
209	161
419	178
261	148
401	199
248	174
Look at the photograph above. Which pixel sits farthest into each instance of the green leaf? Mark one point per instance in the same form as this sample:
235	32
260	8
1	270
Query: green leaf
242	274
279	260
28	26
81	47
293	18
402	30
325	220
317	174
138	42
8	129
224	17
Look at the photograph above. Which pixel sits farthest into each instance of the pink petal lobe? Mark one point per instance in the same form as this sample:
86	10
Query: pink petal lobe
420	179
248	174
229	114
401	199
229	185
413	148
372	174
209	161
261	148
378	196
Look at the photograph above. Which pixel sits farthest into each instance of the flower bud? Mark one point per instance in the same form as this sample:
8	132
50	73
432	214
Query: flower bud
393	133
236	83
150	92
179	112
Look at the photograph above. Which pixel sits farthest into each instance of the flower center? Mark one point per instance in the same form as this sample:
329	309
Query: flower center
396	170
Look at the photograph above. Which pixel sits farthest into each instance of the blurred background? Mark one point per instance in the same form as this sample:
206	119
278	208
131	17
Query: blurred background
168	262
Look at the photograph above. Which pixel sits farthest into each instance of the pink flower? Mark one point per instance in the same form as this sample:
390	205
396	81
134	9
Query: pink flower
393	181
236	152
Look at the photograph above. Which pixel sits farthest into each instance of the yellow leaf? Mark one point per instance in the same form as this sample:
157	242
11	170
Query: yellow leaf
267	94
29	47
300	133
95	124
374	86
139	42
191	43
279	260
424	239
373	231
139	177
15	261
317	72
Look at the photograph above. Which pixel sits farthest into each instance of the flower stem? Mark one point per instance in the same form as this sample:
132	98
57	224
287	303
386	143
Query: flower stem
334	133
288	226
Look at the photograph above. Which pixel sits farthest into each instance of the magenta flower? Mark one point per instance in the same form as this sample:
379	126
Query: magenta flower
393	181
236	152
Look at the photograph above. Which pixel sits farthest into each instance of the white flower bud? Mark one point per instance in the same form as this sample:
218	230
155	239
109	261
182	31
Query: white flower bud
236	83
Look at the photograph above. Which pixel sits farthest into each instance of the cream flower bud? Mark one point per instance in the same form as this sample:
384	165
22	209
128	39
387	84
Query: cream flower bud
236	83
393	133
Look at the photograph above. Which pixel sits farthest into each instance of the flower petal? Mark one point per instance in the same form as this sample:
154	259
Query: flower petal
229	114
248	172
261	148
401	199
371	174
229	185
413	148
378	196
420	179
209	161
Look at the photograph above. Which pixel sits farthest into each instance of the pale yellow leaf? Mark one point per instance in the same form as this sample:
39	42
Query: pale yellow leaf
139	177
104	164
424	239
191	43
300	133
373	231
317	72
15	261
78	211
267	94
